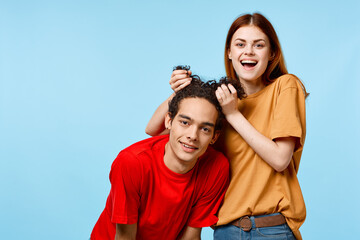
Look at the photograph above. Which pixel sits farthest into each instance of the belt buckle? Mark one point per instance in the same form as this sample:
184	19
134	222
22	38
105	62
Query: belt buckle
245	223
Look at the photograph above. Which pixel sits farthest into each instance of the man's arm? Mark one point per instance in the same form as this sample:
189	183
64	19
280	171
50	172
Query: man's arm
126	231
191	233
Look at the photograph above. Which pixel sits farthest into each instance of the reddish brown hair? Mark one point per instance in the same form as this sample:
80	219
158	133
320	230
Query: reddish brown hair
276	66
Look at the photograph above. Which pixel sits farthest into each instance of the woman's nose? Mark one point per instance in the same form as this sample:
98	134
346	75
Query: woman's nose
249	49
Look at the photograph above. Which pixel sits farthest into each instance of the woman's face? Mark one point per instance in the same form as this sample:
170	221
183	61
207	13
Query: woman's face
250	53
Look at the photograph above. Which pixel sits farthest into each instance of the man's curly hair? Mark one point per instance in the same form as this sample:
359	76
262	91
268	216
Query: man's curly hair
199	89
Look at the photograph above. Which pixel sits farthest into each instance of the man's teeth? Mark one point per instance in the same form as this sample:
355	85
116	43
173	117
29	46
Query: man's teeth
188	146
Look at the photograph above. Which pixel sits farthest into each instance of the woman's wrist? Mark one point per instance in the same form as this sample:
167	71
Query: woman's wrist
171	97
233	116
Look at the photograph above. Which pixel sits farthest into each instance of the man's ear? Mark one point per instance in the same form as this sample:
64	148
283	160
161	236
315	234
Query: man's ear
215	137
168	121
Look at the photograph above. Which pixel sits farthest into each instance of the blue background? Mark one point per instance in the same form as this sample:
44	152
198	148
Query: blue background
79	80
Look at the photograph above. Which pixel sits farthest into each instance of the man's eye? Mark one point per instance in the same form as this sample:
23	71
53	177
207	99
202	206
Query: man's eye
205	129
182	122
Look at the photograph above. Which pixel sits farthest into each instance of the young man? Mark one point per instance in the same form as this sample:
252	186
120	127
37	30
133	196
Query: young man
170	186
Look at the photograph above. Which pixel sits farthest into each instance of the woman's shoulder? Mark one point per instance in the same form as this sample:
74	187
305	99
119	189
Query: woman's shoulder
287	80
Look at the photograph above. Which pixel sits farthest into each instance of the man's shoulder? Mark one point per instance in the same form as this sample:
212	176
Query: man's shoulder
214	159
142	150
213	171
212	153
147	145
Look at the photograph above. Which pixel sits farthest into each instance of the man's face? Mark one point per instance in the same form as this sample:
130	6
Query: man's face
191	131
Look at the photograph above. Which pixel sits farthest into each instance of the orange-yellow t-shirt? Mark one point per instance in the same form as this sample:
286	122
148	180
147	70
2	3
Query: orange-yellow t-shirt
256	188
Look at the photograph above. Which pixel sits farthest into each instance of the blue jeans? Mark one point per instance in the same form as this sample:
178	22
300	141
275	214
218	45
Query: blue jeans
231	232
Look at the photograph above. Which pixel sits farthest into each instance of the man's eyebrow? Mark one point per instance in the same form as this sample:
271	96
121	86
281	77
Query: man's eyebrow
209	124
184	116
203	123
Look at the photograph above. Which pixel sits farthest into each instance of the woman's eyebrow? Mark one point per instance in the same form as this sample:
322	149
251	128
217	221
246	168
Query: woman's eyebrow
256	40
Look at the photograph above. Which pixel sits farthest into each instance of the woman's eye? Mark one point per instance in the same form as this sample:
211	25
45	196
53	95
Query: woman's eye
240	44
259	45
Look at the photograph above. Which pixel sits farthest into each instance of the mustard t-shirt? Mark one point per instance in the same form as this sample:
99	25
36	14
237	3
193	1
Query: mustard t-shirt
256	188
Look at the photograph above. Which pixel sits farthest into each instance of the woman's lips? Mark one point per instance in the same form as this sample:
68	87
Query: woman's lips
248	64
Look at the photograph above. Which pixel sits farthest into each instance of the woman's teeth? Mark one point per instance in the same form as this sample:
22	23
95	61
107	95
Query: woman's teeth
248	62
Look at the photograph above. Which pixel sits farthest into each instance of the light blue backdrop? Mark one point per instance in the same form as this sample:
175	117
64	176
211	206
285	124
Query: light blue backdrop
80	79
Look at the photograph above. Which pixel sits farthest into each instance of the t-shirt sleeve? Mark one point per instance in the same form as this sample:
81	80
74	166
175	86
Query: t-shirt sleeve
125	178
204	212
289	112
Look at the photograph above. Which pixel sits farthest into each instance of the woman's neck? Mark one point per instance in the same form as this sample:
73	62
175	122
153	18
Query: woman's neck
252	87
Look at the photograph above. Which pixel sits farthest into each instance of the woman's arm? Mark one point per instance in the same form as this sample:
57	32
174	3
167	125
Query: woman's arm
179	79
277	153
156	124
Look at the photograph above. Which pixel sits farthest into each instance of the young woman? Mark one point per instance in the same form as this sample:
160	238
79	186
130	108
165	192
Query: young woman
263	138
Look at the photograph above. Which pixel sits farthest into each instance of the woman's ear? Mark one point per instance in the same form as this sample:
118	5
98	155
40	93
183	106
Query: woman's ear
272	56
229	54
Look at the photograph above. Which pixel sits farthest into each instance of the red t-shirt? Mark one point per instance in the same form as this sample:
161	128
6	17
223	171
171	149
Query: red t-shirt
160	201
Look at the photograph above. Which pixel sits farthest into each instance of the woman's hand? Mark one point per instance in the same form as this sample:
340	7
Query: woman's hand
227	98
276	153
180	79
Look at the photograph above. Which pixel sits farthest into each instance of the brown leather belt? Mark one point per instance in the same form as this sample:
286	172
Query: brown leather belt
267	221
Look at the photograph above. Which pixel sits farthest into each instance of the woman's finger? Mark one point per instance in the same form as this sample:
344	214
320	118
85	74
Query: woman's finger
181	86
178	77
220	94
176	72
177	83
225	89
232	90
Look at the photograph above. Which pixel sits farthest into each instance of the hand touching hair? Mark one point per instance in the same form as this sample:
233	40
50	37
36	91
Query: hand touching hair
200	89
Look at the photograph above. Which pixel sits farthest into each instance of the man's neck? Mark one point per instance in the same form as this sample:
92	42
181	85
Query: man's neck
175	164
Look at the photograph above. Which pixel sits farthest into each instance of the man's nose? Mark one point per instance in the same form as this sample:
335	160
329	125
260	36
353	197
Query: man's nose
192	133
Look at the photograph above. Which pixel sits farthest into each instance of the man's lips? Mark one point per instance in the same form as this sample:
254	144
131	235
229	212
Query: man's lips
188	147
